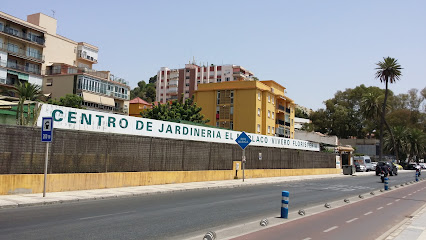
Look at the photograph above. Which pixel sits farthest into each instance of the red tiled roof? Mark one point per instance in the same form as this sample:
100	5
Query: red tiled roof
139	100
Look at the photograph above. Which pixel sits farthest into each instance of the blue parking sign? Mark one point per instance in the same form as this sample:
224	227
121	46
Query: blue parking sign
243	140
47	129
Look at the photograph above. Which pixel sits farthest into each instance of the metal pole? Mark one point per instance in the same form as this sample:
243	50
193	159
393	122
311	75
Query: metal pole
45	168
244	161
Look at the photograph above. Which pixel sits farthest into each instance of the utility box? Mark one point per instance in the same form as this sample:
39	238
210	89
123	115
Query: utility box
348	169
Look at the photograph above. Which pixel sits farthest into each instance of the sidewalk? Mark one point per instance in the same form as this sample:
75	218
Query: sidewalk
413	229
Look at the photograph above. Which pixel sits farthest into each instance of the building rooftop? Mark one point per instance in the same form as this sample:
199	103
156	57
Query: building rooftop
139	101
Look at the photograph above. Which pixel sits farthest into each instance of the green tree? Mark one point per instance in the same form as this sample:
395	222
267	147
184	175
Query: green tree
416	143
300	113
388	71
145	91
25	91
398	142
70	100
176	110
153	80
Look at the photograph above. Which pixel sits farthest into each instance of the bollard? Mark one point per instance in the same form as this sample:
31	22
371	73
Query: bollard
417	176
386	183
210	236
284	204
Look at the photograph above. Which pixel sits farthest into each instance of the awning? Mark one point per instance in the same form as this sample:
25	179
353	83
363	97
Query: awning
106	101
21	76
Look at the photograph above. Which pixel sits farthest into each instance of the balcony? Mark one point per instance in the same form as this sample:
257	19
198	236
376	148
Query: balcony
20	67
280	122
173	82
287	110
21	35
281	107
172	90
22	53
86	57
279	131
287	124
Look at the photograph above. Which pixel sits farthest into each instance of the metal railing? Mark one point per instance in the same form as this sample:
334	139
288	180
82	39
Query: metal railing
25	36
21	67
21	52
85	56
280	122
287	110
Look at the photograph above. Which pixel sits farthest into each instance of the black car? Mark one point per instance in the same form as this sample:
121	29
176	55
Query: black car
412	166
391	168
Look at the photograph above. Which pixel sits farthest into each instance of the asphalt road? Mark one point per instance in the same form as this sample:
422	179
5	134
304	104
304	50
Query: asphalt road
367	219
173	215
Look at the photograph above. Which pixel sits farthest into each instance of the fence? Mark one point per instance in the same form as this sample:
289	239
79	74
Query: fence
85	152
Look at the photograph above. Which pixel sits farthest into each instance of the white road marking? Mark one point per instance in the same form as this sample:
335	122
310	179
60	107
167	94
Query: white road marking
397	200
330	229
410	194
368	213
379	208
353	219
404	196
389	204
307	238
106	215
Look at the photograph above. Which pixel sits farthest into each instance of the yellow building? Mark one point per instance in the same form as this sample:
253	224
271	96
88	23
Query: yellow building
138	105
252	106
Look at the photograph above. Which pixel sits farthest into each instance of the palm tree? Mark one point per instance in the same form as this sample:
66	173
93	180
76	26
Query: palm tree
25	91
416	143
371	109
387	71
397	142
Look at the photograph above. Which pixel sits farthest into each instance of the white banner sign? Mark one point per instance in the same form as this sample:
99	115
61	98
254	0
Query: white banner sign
86	120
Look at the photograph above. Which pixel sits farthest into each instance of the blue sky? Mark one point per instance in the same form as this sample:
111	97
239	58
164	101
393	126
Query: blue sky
313	48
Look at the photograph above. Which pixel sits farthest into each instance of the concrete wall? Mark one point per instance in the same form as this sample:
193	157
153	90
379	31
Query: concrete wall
33	183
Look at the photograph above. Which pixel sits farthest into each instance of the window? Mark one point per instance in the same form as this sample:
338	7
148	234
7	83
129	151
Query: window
218	97
269	98
232	125
291	122
187	91
227	79
217	110
273	115
269	129
217	124
258	127
232	97
273	100
232	110
269	114
12	47
219	80
258	96
187	84
273	130
32	52
258	112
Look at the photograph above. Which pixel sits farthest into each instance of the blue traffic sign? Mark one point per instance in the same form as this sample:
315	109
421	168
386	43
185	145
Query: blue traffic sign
47	129
243	140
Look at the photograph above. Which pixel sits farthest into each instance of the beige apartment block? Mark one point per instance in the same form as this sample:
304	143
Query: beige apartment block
33	51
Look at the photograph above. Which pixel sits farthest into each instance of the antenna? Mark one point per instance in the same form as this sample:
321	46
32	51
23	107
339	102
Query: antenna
53	12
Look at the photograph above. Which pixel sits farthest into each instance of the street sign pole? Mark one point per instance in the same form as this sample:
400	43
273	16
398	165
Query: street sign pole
243	140
45	168
244	161
47	137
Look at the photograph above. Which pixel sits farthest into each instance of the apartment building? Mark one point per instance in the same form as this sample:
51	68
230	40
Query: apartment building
252	106
33	51
22	46
174	83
